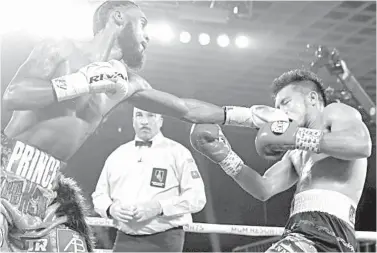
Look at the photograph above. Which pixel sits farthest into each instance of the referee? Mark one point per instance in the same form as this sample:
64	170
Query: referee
151	185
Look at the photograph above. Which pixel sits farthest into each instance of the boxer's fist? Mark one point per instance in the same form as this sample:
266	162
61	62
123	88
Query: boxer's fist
121	88
209	140
107	77
275	138
253	117
263	114
98	77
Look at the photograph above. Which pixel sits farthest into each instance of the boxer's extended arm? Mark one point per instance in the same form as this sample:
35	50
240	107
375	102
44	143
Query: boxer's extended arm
31	87
190	110
196	111
278	178
348	137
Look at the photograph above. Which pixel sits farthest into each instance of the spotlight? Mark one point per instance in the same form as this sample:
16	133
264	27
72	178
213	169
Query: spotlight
223	40
242	41
161	32
204	39
185	37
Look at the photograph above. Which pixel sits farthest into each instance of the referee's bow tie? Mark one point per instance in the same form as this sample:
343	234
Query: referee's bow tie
143	143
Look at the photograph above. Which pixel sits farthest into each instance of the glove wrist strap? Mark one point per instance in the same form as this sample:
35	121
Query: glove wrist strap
70	86
308	139
238	116
232	164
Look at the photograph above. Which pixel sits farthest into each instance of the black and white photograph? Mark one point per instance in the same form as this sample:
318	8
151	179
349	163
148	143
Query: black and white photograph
188	126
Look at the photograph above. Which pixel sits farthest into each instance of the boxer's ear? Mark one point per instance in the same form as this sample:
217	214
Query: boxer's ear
119	17
313	98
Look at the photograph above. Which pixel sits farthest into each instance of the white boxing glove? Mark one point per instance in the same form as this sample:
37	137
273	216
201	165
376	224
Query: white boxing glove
98	77
122	89
253	117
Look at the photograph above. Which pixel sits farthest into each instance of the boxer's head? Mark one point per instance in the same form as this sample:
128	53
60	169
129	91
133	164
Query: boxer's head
146	124
300	94
130	22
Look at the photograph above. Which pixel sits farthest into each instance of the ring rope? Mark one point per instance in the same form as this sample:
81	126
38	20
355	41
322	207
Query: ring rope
228	229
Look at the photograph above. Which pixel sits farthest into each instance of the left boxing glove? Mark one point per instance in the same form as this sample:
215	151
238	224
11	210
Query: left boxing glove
253	117
279	136
97	77
122	90
209	140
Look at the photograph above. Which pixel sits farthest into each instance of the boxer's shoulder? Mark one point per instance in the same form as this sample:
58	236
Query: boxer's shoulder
139	81
336	110
45	57
54	47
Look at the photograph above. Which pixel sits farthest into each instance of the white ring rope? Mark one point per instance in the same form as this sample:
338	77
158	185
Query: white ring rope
229	229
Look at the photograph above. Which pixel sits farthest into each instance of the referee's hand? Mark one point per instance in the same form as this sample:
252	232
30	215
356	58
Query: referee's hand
121	212
147	210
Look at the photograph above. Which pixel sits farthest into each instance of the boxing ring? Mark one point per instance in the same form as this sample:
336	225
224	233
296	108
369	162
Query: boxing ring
207	228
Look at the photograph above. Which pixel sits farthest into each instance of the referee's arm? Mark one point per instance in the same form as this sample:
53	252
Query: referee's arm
101	195
192	197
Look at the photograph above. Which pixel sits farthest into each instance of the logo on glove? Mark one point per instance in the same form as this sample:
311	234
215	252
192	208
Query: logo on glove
61	83
102	77
279	127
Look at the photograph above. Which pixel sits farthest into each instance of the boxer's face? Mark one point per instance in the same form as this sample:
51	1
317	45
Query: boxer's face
146	124
133	39
293	102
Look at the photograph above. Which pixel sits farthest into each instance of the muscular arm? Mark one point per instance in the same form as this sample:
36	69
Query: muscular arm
278	178
348	137
190	110
31	87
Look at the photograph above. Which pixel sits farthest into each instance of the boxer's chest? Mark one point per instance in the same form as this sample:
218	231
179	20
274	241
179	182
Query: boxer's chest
304	162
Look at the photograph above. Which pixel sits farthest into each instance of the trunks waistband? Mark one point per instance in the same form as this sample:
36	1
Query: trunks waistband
326	201
18	151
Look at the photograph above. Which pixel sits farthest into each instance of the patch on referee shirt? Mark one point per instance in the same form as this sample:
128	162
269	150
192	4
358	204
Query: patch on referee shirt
190	160
195	174
158	178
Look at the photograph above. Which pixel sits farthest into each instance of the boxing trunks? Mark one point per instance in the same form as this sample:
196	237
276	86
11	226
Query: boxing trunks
30	183
320	221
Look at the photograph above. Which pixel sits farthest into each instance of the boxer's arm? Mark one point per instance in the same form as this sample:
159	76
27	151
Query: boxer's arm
189	110
278	178
31	87
196	111
348	137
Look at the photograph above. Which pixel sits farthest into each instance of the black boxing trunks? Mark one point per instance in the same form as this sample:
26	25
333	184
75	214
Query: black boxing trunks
41	210
320	221
28	178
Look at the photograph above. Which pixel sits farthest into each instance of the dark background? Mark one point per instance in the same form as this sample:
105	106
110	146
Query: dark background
280	31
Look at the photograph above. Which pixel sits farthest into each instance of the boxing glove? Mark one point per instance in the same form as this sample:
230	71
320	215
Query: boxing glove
209	140
253	117
121	90
98	77
277	137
